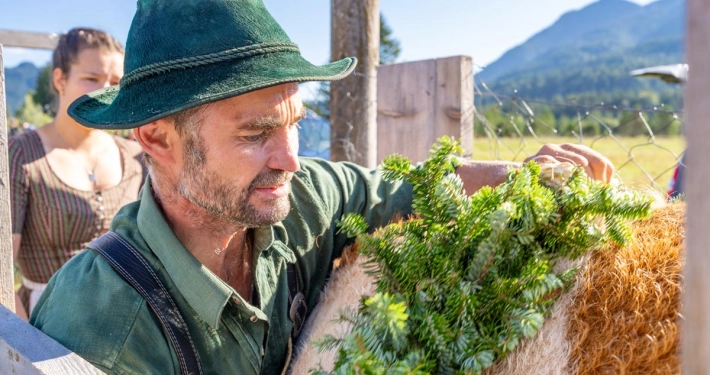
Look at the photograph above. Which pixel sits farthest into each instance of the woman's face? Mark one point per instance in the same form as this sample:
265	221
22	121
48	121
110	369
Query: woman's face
94	69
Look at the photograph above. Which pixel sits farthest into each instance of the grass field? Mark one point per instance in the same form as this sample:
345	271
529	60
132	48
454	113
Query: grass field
640	161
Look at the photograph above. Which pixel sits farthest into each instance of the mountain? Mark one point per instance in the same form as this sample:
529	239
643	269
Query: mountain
18	81
592	50
571	27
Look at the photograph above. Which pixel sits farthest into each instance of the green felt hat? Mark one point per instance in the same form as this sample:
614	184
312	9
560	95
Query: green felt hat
181	54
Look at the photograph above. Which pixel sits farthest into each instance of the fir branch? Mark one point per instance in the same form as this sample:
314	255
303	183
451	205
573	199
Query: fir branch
464	282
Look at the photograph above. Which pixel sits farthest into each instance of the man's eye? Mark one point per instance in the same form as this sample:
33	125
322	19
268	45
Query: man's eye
255	138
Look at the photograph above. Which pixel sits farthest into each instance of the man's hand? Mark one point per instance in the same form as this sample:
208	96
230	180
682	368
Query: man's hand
476	174
595	164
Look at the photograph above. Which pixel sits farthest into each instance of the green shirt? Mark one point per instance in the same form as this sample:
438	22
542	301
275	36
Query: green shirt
91	310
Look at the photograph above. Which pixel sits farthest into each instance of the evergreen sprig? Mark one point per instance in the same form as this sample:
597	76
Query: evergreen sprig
468	277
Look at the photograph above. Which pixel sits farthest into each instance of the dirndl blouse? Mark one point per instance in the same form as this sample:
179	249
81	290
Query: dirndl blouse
55	220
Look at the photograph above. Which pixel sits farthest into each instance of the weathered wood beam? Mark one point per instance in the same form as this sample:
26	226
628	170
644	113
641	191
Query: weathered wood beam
26	350
420	101
26	39
7	285
695	346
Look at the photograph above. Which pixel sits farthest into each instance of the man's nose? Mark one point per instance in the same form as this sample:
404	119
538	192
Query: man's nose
284	155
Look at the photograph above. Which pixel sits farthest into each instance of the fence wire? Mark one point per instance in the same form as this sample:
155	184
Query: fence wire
645	144
317	97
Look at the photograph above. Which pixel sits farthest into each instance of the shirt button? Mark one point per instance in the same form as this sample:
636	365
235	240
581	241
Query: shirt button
101	217
235	300
101	208
99	198
253	318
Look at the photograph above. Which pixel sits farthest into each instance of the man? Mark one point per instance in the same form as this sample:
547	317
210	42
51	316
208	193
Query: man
211	92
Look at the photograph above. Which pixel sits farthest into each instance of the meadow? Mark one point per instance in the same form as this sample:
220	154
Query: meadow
640	161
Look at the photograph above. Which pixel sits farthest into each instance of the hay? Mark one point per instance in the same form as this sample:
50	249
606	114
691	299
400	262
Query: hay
624	318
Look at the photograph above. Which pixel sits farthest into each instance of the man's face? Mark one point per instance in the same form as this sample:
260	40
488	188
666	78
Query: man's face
239	164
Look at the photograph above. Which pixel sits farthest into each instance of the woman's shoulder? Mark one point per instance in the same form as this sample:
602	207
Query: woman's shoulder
25	145
27	138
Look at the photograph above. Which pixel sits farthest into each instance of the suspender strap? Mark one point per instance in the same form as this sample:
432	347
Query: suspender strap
297	308
296	301
134	268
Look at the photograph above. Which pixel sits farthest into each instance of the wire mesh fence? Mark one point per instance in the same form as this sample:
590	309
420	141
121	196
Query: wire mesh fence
645	144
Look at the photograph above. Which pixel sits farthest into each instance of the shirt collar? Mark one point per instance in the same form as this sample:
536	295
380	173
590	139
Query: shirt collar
206	293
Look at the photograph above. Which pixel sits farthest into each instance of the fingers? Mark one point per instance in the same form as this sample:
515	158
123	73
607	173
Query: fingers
602	169
542	159
595	165
555	153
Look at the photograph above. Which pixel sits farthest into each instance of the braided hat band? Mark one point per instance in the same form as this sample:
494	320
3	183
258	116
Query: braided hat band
211	58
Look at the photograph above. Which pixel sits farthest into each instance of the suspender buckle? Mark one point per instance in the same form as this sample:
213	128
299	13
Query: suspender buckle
298	312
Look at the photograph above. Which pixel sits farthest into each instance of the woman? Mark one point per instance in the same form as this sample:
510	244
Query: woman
68	180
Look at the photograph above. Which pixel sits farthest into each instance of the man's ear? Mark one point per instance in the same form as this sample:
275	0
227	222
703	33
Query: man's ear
159	140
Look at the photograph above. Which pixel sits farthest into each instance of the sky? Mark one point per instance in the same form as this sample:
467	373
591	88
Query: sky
426	29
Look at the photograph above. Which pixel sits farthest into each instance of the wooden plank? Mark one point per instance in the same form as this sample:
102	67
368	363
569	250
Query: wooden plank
355	31
421	101
406	100
25	39
26	350
7	285
695	346
454	105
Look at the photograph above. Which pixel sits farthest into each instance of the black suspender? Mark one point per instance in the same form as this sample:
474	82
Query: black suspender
134	268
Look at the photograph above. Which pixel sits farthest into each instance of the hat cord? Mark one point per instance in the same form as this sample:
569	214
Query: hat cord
211	58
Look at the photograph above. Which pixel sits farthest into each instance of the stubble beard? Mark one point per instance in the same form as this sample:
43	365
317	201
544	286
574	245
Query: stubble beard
206	189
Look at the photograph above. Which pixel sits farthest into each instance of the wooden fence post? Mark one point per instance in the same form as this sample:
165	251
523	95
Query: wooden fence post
355	31
420	101
695	346
7	285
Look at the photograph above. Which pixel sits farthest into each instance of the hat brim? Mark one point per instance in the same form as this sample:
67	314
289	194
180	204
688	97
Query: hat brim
163	94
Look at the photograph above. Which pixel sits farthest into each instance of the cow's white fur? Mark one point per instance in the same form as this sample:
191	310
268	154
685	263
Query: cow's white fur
348	284
548	352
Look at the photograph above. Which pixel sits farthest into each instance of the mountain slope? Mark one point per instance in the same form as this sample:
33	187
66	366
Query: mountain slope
596	35
18	81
